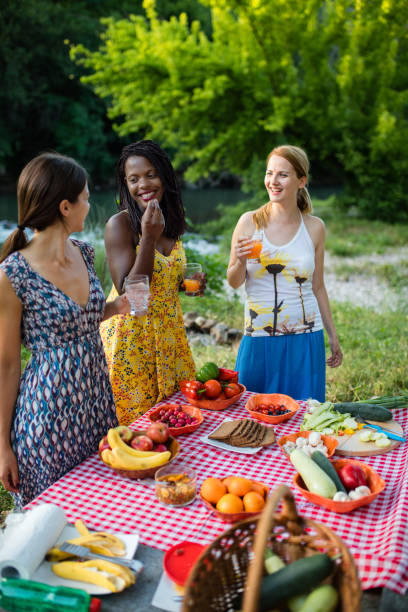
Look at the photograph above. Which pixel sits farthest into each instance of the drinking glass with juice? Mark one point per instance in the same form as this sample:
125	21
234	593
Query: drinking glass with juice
256	239
191	280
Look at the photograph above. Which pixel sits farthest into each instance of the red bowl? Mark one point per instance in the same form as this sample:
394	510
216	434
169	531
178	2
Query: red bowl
179	560
172	445
374	482
216	404
187	409
271	398
233	517
329	442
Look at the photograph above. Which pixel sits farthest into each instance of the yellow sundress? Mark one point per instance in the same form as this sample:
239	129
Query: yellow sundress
148	356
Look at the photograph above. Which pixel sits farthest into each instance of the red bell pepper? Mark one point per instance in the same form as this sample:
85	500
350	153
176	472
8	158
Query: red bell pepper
352	476
192	388
227	375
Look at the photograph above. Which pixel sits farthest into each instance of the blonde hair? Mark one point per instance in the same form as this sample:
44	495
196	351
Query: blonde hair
300	162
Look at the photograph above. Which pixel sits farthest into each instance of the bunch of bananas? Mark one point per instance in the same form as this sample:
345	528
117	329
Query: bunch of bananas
124	457
104	573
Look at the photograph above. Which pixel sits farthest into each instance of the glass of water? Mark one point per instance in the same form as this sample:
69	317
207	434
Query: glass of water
137	291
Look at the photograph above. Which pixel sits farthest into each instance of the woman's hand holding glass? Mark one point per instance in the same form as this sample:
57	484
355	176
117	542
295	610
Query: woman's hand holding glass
194	279
138	293
248	248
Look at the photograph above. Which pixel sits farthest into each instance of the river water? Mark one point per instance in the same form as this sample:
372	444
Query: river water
200	205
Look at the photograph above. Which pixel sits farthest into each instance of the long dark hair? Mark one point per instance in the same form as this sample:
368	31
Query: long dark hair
171	203
43	183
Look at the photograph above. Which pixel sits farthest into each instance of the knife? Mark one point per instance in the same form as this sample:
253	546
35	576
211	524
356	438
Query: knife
387	432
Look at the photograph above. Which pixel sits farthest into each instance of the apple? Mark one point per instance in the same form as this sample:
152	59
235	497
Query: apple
160	448
158	432
125	433
104	444
142	442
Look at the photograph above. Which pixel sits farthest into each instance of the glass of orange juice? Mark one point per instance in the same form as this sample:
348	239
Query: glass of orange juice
256	239
191	272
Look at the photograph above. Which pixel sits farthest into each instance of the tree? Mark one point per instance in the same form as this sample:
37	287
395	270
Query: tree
327	75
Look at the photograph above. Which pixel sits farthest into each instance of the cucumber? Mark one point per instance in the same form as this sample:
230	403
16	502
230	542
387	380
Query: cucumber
294	579
322	599
372	412
315	479
325	464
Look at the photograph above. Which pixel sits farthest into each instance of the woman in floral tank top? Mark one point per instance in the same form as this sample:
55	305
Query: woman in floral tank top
282	350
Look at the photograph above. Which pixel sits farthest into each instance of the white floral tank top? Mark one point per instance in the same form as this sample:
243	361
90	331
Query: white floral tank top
280	300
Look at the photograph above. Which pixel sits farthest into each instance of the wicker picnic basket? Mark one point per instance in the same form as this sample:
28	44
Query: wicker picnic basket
233	564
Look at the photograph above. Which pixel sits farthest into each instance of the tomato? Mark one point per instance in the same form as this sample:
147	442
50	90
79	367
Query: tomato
232	389
212	388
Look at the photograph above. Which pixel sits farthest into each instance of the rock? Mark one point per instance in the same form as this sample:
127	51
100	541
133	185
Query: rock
234	335
219	332
199	321
189	320
208	325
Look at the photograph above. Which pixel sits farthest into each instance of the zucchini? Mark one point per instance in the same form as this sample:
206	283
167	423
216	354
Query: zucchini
372	412
316	480
294	579
323	599
325	464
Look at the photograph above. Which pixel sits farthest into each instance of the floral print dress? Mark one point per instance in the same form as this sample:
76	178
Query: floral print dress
148	356
65	403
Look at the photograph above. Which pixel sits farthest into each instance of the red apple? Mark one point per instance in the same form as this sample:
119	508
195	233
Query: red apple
104	444
160	448
158	432
143	443
125	433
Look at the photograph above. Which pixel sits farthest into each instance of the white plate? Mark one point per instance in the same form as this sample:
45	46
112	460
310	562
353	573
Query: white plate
245	450
45	574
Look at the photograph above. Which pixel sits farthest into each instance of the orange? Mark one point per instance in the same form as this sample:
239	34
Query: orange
227	480
212	489
259	488
230	503
239	486
253	502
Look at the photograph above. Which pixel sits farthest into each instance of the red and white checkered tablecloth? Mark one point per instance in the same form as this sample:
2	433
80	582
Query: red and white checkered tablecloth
377	535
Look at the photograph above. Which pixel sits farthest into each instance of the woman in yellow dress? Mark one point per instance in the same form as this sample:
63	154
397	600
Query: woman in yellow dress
147	356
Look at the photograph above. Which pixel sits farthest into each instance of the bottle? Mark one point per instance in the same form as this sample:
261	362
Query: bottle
17	595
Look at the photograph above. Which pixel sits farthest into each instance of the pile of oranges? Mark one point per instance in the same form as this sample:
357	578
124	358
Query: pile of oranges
234	494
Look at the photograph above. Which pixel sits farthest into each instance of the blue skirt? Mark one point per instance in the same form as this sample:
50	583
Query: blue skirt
294	365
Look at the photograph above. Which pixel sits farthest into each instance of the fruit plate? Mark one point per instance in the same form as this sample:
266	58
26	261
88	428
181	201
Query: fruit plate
45	574
271	398
172	445
374	481
154	415
233	517
329	442
216	404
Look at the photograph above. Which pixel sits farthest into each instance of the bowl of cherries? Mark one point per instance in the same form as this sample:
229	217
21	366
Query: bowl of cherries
179	418
272	407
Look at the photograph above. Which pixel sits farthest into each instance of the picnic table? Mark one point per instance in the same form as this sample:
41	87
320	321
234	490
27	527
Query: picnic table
376	534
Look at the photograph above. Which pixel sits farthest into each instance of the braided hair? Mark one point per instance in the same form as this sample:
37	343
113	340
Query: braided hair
171	203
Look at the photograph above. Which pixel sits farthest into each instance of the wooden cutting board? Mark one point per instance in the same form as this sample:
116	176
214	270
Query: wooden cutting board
353	446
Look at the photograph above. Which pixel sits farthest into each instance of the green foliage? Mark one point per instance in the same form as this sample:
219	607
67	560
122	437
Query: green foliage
330	76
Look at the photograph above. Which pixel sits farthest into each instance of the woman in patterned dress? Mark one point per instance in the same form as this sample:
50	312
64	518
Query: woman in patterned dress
149	356
54	414
282	350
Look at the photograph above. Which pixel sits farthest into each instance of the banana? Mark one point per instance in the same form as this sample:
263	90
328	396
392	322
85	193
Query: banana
81	528
99	542
97	571
115	441
122	460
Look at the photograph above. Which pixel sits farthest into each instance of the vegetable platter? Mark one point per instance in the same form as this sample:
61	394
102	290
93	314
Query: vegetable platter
342	422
